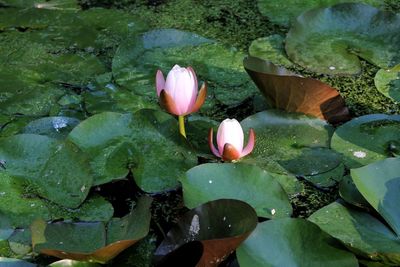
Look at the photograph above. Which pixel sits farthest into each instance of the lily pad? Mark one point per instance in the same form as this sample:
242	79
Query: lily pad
58	171
285	12
362	233
367	139
331	40
349	192
72	263
161	49
220	226
287	90
45	4
146	143
55	127
95	241
387	81
292	242
291	143
327	179
9	262
379	182
272	49
244	182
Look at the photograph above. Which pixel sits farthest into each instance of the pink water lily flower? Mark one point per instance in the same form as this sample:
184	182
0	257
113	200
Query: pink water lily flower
230	140
179	94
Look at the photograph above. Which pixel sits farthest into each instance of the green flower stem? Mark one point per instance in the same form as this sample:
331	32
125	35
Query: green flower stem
182	125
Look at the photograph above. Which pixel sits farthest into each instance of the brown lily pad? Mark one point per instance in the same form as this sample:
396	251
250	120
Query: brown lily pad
93	241
220	225
286	90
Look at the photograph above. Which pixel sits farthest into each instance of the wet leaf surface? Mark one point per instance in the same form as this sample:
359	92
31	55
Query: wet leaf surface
331	40
243	182
54	127
9	262
349	192
387	81
219	225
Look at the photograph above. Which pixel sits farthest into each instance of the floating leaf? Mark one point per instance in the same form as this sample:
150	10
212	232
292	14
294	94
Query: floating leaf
387	81
57	170
291	143
146	142
93	241
327	179
291	242
367	139
285	12
362	233
220	226
72	263
45	4
271	49
244	182
55	127
379	182
8	262
286	90
349	192
330	40
161	49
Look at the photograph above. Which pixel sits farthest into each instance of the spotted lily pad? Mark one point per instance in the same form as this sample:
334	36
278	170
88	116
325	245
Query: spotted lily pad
220	226
379	182
285	12
387	81
94	241
368	138
292	242
146	143
362	233
287	90
244	182
57	171
162	49
331	40
291	143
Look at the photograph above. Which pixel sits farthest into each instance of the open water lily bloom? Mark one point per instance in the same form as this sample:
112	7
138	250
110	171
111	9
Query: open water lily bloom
230	140
179	94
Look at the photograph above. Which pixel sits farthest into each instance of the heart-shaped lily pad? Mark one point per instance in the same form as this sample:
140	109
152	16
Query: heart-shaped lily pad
244	182
368	138
388	82
95	241
161	49
286	90
291	143
292	242
56	170
331	39
285	12
379	182
55	127
146	142
362	233
220	225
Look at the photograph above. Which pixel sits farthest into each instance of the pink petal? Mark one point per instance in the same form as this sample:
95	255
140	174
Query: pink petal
184	92
160	82
211	144
250	144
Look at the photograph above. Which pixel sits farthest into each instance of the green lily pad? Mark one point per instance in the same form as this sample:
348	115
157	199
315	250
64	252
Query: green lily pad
146	143
221	67
58	171
362	233
220	226
349	192
379	182
327	179
46	4
291	143
72	263
95	241
54	127
367	139
9	262
272	49
244	182
330	40
20	242
285	12
197	129
387	81
292	242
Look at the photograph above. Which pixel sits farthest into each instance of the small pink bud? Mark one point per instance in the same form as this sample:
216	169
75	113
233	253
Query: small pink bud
230	141
179	94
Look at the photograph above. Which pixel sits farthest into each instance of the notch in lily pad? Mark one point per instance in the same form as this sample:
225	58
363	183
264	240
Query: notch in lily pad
219	225
289	91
